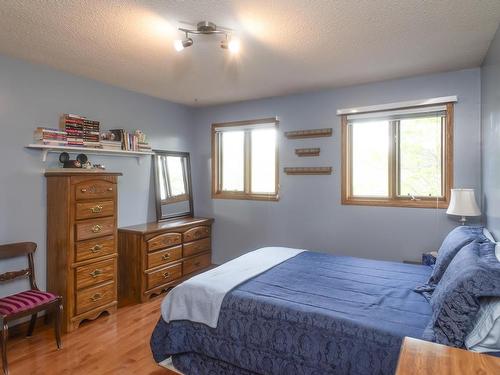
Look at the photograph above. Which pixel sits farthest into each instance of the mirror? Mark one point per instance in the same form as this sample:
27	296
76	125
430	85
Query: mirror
173	184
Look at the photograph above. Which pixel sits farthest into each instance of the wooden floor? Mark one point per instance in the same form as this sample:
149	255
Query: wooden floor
117	344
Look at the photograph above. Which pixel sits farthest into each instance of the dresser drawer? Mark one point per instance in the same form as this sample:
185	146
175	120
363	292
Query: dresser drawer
89	210
197	263
95	228
164	240
93	297
95	273
95	248
196	233
164	256
196	247
164	275
95	189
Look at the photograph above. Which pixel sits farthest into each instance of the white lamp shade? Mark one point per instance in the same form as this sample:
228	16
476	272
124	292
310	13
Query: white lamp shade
463	203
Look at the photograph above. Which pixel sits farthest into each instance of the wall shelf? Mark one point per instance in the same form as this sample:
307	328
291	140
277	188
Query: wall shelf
307	152
311	133
308	170
86	150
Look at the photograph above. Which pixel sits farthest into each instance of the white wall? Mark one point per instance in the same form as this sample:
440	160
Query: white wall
309	214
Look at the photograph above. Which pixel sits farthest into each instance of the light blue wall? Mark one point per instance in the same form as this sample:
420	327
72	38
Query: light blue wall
33	95
309	214
490	100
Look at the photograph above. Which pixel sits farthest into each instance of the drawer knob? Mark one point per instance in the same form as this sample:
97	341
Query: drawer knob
96	209
110	189
96	248
165	256
196	264
96	273
83	190
166	275
96	297
96	228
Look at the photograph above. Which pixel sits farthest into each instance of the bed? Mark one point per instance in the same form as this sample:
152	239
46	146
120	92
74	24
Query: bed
311	314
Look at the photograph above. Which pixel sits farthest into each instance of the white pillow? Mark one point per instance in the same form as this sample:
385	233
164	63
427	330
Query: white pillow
485	336
489	236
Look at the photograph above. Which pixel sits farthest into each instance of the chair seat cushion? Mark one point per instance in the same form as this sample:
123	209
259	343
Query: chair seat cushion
23	301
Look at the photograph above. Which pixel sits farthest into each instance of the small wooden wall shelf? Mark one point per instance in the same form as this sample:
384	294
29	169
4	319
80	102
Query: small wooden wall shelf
307	151
311	133
307	170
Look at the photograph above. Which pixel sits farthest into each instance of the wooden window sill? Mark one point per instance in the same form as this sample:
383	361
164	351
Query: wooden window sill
243	196
424	203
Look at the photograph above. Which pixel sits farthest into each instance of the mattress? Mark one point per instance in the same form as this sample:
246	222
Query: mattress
312	314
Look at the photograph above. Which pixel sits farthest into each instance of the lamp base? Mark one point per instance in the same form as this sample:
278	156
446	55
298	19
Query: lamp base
463	220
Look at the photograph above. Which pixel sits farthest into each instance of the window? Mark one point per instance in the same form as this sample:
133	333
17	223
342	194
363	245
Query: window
245	160
399	157
172	179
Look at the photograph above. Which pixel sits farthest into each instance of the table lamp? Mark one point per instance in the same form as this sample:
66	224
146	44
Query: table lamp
463	203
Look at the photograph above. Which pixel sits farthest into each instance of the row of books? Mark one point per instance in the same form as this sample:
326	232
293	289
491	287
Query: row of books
78	131
129	141
50	137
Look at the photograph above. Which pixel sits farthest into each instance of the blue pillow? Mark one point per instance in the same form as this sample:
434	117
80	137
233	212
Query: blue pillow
454	241
472	274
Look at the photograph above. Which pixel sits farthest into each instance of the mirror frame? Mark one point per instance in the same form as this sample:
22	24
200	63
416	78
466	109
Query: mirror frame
159	215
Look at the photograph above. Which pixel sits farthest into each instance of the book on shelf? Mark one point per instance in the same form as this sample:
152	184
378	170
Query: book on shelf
49	136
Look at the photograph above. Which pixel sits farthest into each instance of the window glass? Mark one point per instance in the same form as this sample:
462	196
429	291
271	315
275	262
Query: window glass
233	160
263	177
420	153
176	175
370	158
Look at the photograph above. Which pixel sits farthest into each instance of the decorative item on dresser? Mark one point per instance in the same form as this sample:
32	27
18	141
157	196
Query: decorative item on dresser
81	243
155	257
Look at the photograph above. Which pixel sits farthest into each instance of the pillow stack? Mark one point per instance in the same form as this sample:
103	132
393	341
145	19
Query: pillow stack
465	281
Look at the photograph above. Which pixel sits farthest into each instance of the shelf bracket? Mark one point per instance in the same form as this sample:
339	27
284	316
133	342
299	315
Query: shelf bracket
44	155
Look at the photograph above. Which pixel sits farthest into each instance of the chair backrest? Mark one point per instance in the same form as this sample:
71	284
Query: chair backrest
16	250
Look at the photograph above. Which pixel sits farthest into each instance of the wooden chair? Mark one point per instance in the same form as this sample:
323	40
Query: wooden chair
26	303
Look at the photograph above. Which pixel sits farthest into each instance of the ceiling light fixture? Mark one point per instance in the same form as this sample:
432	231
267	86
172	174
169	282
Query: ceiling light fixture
179	44
208	28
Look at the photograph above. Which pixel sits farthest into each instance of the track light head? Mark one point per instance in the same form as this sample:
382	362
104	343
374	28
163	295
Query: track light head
179	45
233	45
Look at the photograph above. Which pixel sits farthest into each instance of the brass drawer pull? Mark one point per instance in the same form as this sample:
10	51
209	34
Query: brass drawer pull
110	189
96	228
96	273
83	190
96	248
96	209
165	256
96	297
166	275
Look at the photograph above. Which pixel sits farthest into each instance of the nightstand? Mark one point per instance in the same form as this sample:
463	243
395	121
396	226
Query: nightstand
429	259
419	357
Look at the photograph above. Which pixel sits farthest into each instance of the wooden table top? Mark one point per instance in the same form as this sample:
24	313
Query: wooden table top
159	226
423	357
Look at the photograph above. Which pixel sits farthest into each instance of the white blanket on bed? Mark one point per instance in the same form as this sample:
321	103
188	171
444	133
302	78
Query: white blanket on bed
199	299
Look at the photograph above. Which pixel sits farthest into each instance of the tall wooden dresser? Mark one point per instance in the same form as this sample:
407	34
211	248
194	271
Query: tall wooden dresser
155	257
81	242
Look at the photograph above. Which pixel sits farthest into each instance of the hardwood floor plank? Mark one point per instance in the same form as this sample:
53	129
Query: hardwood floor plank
116	344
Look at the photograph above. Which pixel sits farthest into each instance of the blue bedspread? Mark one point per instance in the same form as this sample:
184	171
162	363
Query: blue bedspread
313	314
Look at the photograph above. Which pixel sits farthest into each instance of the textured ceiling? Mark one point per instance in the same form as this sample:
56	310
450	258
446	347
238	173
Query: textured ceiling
288	46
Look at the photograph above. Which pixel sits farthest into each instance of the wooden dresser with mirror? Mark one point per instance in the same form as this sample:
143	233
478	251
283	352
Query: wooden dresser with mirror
154	257
81	242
